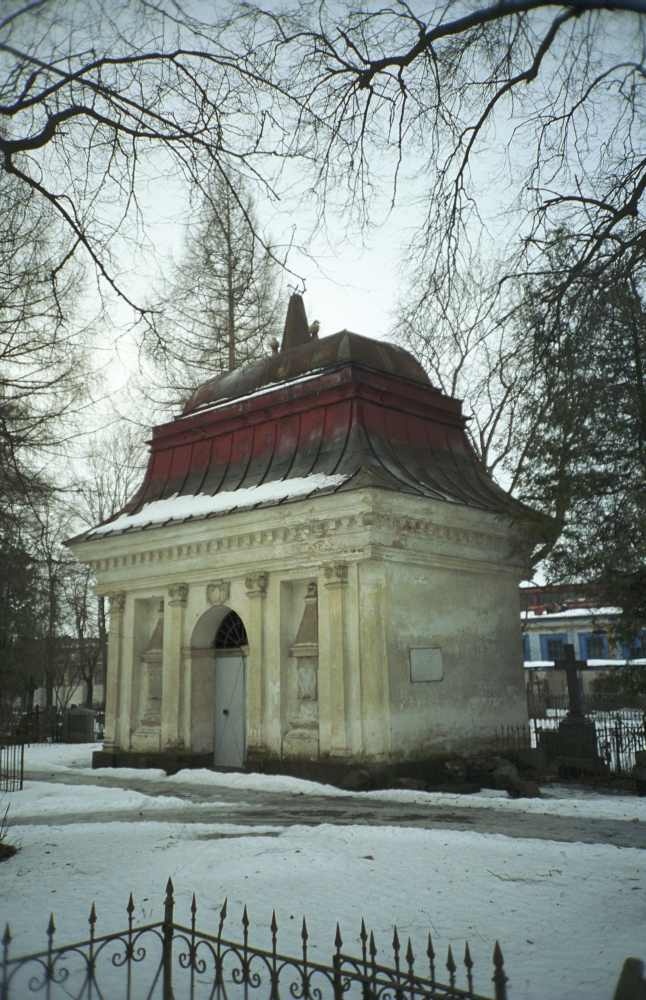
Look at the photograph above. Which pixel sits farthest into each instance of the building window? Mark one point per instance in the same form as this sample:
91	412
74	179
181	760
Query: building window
636	648
526	655
552	646
593	646
231	633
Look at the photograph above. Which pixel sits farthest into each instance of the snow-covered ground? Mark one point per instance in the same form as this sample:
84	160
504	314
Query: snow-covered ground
566	915
555	800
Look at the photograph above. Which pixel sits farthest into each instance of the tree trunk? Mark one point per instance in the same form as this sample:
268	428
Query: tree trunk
89	689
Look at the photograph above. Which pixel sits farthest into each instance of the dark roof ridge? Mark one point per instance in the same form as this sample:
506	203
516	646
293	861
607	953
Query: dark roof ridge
343	347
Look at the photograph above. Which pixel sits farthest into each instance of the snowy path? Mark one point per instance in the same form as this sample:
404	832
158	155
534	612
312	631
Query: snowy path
242	807
560	880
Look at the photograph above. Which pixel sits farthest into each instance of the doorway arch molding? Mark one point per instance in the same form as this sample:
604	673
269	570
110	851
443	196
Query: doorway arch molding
201	680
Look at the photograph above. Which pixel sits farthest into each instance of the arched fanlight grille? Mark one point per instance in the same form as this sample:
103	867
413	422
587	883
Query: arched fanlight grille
231	633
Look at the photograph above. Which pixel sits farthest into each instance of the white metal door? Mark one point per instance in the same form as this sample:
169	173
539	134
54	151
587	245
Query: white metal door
229	740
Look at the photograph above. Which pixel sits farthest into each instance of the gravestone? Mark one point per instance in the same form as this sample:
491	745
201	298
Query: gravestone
574	743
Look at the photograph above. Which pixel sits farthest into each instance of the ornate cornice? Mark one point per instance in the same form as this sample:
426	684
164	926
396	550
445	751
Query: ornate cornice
403	527
218	592
256	584
177	594
335	574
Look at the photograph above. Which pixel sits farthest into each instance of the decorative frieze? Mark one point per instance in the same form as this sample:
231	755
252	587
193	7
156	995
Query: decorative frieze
177	594
335	574
256	584
315	530
218	592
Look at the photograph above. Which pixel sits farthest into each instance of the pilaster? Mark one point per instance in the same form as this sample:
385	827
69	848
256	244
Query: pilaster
332	660
375	687
117	603
171	665
256	588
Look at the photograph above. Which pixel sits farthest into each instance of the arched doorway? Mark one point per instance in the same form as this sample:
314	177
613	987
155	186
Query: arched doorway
230	645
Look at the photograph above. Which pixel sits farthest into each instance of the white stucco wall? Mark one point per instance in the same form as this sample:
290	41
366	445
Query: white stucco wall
470	617
392	572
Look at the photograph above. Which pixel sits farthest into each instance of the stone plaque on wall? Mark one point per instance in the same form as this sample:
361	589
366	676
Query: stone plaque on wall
425	664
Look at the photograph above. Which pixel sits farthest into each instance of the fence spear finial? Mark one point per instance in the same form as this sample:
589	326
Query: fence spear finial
223	917
169	903
468	964
431	957
499	977
410	957
451	966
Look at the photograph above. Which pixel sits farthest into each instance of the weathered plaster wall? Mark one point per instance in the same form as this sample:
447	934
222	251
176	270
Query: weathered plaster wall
392	572
470	618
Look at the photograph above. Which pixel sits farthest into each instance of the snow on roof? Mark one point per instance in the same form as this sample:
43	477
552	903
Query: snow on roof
262	391
594	664
569	613
180	508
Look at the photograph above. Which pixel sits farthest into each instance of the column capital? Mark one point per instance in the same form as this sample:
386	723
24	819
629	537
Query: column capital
335	574
218	592
177	594
117	602
256	584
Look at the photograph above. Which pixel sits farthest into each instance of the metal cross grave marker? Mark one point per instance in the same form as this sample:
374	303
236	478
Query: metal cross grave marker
571	665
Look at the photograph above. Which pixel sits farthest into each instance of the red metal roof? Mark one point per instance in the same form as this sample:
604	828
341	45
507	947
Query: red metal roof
374	428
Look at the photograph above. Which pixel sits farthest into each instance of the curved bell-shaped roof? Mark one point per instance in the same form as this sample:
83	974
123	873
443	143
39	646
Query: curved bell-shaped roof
317	417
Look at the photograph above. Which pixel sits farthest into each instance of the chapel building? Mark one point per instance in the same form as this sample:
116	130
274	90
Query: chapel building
316	571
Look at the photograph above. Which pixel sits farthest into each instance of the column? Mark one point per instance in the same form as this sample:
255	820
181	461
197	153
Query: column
186	699
171	665
117	602
332	658
256	587
375	682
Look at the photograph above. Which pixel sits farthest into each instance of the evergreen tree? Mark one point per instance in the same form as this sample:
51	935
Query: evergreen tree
222	303
586	460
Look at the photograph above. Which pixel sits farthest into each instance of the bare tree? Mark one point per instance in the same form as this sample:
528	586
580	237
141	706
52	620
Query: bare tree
95	96
221	303
457	336
42	371
113	468
545	98
80	667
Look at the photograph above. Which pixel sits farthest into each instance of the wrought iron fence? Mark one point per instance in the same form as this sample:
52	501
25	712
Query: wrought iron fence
12	766
172	961
53	725
619	735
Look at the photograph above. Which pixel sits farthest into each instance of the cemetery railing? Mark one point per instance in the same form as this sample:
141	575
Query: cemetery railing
12	766
171	961
620	734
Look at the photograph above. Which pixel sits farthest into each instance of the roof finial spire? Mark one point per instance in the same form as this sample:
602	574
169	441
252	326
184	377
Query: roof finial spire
297	329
